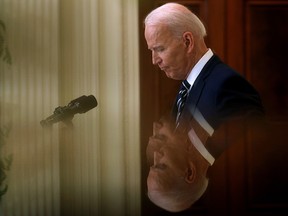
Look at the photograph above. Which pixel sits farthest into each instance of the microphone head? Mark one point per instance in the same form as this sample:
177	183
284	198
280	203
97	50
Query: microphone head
66	113
83	104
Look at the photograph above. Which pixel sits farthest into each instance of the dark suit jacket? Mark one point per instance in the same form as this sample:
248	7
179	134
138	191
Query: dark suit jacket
221	94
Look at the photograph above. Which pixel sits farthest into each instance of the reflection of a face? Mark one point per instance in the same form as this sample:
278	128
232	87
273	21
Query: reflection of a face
163	134
167	155
170	164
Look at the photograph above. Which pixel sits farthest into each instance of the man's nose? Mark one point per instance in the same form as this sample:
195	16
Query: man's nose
155	58
157	156
156	127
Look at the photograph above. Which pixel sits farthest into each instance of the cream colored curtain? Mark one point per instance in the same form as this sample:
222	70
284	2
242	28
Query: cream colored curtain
61	50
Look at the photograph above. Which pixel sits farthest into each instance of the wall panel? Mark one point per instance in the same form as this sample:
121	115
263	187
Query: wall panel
267	69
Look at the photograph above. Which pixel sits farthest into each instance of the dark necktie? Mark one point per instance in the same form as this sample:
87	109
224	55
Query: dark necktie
181	98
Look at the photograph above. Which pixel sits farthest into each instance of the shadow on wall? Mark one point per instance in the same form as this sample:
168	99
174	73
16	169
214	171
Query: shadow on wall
5	161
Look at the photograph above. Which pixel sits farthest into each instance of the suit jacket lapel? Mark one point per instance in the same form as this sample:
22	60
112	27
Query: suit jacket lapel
199	84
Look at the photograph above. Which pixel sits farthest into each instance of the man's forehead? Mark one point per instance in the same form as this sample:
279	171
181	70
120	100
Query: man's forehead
157	30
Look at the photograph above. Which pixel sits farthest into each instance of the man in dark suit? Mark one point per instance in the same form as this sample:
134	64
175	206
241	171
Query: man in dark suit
212	94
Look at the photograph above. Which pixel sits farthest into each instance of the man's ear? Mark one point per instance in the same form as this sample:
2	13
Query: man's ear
188	40
190	174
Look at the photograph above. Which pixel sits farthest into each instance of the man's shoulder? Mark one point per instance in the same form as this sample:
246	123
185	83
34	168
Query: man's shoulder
217	69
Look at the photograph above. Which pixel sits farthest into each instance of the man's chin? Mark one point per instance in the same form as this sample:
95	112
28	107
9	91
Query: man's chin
169	75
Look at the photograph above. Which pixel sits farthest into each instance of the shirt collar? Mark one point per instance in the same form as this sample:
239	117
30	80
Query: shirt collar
198	67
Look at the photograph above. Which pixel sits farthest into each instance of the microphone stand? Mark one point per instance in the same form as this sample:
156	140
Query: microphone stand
58	116
69	123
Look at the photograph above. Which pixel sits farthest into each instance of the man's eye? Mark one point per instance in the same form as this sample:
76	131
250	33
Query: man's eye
160	49
160	166
160	137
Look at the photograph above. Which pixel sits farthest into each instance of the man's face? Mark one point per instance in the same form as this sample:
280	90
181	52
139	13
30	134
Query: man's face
167	155
168	52
163	134
170	165
157	140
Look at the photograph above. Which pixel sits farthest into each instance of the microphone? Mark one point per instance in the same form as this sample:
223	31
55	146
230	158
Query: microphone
66	113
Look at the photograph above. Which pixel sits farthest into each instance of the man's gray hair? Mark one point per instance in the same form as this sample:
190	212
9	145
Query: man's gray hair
181	196
178	18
